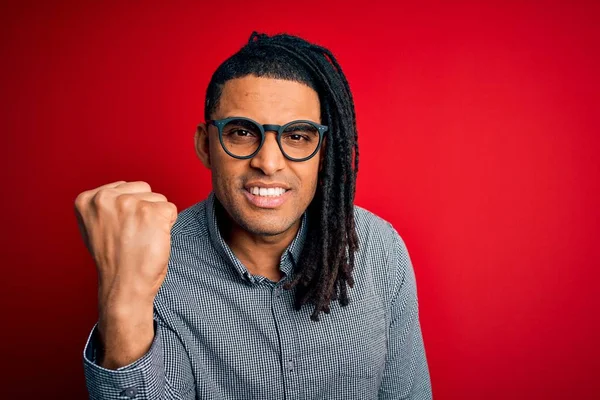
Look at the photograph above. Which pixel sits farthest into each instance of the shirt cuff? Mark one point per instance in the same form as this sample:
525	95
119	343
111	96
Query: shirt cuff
142	379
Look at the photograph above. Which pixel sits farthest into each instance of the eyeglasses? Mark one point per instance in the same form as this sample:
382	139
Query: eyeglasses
242	138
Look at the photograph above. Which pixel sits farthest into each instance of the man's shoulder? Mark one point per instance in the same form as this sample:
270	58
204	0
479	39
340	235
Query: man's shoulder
191	221
370	226
382	255
378	238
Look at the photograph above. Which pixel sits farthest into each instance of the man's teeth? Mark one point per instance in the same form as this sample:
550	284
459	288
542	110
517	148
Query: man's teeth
273	192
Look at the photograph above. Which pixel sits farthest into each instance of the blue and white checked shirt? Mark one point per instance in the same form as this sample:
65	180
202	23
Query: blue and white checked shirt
222	333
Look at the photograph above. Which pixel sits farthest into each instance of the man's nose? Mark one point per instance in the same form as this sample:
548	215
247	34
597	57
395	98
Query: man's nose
269	159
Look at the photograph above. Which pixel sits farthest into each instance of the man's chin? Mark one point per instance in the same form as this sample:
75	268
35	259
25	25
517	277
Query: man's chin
262	221
265	228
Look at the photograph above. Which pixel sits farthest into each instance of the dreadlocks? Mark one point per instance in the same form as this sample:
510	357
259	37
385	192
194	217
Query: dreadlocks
324	270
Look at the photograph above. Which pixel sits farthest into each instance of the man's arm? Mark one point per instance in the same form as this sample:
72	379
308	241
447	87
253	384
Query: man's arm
163	372
406	374
127	229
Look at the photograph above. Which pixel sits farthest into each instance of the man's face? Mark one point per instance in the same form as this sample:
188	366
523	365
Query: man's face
266	101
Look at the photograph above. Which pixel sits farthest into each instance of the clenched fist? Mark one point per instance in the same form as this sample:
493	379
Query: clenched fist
127	229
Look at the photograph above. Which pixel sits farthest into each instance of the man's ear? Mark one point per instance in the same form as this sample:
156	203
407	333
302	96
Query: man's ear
202	144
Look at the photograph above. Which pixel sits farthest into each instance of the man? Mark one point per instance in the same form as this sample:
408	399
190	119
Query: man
274	287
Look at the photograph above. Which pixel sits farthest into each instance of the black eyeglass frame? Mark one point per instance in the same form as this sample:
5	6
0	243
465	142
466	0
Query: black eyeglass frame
220	123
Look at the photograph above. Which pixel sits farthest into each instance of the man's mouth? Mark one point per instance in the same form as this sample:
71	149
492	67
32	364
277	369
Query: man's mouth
266	192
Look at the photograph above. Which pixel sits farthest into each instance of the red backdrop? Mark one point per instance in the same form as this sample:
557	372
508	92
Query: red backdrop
479	138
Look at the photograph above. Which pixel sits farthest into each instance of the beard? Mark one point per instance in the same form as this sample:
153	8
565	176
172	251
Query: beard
232	211
269	227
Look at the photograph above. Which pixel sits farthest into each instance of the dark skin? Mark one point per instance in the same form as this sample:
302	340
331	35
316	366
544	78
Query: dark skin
258	236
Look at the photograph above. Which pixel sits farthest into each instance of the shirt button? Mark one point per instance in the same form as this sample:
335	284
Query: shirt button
277	292
290	365
130	392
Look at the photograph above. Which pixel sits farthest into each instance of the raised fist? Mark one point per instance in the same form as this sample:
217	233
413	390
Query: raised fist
127	229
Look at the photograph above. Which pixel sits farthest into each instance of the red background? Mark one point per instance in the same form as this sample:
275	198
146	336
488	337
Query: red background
479	141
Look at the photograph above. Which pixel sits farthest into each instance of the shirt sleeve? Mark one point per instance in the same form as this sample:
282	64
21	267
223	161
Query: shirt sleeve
406	373
164	372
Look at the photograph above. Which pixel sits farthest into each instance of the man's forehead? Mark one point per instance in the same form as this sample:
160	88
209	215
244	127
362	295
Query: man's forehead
269	99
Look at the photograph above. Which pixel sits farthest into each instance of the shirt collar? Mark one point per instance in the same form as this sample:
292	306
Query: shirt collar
289	258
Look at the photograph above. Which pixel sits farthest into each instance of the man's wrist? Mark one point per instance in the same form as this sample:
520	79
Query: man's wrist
124	335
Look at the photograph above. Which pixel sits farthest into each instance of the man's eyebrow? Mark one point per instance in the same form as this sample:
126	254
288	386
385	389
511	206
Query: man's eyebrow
244	123
301	125
229	116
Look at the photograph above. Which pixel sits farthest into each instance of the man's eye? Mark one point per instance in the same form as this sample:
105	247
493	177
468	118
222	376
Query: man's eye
297	138
240	132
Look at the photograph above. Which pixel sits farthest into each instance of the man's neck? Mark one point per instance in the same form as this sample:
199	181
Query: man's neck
260	254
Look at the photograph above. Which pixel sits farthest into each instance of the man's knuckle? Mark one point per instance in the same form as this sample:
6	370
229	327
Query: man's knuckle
162	197
144	185
126	201
145	208
81	201
102	198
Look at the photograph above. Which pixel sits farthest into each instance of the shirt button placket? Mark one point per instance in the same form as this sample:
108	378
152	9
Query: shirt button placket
286	340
